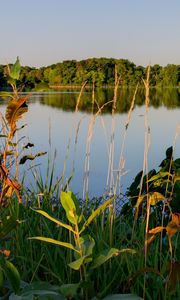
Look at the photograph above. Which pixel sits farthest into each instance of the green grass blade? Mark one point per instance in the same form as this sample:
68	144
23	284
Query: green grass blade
54	242
46	215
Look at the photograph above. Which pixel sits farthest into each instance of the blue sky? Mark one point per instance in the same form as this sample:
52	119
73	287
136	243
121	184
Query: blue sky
43	32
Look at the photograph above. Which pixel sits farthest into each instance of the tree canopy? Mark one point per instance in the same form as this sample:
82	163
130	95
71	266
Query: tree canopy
101	71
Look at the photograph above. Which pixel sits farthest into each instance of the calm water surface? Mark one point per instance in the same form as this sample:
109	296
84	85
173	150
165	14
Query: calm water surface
53	125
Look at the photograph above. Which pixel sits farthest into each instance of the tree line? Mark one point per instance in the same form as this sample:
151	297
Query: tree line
100	71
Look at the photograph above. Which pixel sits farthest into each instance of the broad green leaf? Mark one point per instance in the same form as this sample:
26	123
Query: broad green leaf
78	209
159	175
43	290
15	70
17	297
69	207
102	258
54	242
75	265
12	275
122	297
155	197
69	290
177	163
96	213
87	244
107	254
46	215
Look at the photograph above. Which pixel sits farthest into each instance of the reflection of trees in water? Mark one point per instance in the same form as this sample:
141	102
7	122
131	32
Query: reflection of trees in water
170	98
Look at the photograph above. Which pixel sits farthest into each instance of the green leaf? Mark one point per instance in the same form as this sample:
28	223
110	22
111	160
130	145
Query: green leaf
96	213
159	175
59	223
15	70
54	242
102	258
69	206
69	290
75	265
87	245
122	297
43	290
16	297
177	163
12	275
107	254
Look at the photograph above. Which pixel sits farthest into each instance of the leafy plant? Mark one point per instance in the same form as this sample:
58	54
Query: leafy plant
85	259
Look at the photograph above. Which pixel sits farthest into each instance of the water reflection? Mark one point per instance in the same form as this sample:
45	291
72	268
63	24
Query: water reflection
51	117
170	98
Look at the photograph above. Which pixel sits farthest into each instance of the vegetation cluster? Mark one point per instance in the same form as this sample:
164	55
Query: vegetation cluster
97	70
55	247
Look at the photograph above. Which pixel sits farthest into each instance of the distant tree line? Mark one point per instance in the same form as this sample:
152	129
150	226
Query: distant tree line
101	71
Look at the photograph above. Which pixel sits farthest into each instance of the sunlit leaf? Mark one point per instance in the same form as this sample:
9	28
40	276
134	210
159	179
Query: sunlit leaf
96	213
156	230
174	225
159	175
155	197
15	70
58	222
75	265
14	111
6	95
69	206
54	242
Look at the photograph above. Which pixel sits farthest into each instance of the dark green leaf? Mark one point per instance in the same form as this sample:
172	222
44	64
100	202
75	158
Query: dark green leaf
12	275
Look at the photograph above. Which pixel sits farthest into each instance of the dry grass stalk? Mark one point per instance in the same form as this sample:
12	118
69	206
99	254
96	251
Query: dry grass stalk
79	97
110	175
121	164
88	150
145	165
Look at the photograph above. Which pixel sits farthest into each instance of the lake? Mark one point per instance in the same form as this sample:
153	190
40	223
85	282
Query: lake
81	137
